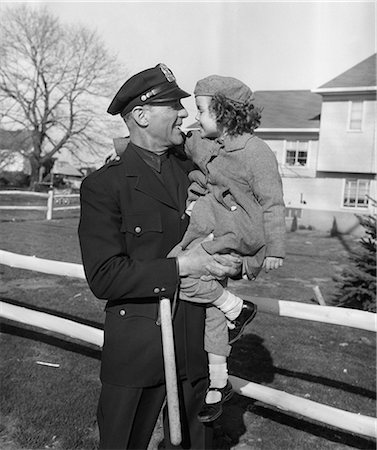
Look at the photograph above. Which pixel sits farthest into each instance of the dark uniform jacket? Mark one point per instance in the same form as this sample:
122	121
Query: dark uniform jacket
128	225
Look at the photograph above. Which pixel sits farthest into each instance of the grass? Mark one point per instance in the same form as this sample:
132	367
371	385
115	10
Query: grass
54	407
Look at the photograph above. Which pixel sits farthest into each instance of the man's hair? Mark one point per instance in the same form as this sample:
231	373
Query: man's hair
126	117
236	118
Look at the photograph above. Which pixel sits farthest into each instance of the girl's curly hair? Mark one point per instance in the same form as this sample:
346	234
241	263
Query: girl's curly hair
235	117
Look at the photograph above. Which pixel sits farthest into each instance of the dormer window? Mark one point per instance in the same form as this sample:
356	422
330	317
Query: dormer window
356	116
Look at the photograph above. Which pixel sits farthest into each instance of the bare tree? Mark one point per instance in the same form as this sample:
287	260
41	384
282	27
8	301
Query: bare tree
53	82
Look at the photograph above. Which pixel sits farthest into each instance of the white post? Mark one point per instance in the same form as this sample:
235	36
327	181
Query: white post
50	202
170	372
318	296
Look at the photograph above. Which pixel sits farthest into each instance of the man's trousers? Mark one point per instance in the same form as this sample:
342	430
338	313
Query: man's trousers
127	416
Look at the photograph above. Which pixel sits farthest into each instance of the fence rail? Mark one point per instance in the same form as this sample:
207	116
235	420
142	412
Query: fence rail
49	208
345	420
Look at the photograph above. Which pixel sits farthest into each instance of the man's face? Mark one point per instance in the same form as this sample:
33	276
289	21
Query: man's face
165	120
206	118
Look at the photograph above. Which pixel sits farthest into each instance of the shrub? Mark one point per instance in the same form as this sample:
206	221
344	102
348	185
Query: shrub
357	283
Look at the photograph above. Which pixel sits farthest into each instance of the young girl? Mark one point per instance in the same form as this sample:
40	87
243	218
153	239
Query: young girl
237	196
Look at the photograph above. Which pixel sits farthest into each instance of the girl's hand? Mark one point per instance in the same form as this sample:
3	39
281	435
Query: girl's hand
272	262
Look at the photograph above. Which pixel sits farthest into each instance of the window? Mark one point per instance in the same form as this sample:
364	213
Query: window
356	116
296	153
355	193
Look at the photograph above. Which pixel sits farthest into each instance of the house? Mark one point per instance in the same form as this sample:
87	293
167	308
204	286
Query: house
67	174
346	166
327	155
324	142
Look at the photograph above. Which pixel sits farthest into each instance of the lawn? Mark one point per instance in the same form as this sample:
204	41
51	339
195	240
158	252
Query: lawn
54	406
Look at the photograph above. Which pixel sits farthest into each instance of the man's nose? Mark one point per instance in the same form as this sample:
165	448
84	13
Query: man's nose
183	112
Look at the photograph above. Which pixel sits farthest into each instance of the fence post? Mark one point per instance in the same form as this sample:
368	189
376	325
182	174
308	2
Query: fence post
50	202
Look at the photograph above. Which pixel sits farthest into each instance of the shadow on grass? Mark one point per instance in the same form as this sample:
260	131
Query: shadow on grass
39	336
322	431
251	360
327	382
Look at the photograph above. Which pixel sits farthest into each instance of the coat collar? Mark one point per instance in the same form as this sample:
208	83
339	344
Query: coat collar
232	143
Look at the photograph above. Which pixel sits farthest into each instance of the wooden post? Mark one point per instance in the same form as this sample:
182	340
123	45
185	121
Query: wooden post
50	203
170	372
318	296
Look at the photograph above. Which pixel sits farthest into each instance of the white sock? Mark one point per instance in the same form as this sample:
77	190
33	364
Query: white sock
229	304
218	377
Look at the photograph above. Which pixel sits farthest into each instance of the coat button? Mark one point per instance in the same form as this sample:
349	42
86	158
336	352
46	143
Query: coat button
137	229
156	290
233	208
122	312
117	158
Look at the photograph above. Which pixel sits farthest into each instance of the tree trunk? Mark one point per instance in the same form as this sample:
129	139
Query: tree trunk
34	176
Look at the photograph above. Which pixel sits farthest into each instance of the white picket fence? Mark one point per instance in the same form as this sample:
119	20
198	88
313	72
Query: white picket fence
351	422
52	197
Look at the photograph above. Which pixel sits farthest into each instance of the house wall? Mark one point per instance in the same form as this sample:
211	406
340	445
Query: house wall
345	150
316	202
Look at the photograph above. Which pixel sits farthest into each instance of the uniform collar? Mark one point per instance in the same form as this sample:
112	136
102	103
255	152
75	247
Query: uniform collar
151	158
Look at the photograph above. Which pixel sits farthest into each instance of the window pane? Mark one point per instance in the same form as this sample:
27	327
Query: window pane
291	156
355	193
302	157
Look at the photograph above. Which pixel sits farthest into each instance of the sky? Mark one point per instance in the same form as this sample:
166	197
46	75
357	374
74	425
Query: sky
268	45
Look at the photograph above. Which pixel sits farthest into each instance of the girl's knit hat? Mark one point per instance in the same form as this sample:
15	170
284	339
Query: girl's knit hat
229	87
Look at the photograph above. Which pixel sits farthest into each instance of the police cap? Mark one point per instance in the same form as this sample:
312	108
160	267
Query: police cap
157	84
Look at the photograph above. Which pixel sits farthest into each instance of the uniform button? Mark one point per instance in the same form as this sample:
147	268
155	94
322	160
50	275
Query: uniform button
163	290
156	290
137	229
183	216
233	207
122	312
117	158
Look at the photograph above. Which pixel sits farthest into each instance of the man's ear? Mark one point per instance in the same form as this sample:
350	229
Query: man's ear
140	116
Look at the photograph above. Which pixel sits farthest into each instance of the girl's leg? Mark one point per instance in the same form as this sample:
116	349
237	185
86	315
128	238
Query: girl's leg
218	376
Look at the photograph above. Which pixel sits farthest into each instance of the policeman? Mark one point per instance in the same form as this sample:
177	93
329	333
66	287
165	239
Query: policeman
132	215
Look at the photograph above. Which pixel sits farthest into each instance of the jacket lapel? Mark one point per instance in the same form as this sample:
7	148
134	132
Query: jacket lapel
147	181
183	183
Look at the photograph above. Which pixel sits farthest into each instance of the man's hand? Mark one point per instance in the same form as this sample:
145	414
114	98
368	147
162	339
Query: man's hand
197	263
271	262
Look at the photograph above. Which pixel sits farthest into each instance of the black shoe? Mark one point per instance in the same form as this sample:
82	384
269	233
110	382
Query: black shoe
246	316
211	411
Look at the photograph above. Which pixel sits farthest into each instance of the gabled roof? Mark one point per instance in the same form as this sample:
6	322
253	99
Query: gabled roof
287	110
361	75
64	168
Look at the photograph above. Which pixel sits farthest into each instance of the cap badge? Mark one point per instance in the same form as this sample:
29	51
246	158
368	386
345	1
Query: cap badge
167	72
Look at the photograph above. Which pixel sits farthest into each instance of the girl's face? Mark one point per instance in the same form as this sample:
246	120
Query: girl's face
206	118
